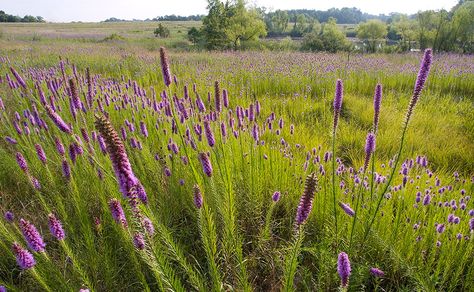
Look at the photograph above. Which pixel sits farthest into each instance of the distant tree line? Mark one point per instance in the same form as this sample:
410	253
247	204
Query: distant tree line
12	18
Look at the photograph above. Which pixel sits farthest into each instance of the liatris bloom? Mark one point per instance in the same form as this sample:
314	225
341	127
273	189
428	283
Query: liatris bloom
337	102
420	81
255	133
369	148
143	129
9	216
217	94
21	162
24	258
55	227
10	140
206	163
117	212
209	135
197	197
3	289
306	200
344	268
276	196
32	236
225	98
165	67
58	121
377	272
440	228
148	225
377	102
59	146
76	101
426	200
471	224
40	153
347	209
116	150
18	77
138	241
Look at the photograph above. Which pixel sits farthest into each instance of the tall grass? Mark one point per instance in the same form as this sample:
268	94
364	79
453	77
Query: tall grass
240	236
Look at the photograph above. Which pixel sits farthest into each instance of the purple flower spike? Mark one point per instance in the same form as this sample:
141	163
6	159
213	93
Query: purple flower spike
337	102
165	67
9	217
197	197
369	148
377	272
117	212
347	209
209	135
21	162
150	229
32	236
377	102
55	227
276	196
138	241
57	120
40	153
24	258
10	140
306	200
206	164
420	81
344	269
18	77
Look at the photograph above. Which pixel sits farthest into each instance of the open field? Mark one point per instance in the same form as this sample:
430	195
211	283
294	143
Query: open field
275	130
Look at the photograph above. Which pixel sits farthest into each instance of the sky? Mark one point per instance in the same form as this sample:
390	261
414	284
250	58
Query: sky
98	10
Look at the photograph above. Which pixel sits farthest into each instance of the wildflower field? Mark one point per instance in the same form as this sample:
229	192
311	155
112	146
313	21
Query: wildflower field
125	169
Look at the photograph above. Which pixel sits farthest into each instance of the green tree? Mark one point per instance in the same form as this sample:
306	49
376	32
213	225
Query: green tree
227	25
299	25
194	35
332	37
279	21
215	24
371	32
463	27
244	24
162	31
406	29
426	28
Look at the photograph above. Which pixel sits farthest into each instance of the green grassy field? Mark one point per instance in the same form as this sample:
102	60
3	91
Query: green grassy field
240	239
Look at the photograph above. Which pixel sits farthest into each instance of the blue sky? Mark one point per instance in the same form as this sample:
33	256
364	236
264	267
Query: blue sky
97	10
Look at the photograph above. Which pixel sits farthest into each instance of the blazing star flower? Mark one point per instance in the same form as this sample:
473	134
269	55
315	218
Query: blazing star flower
276	196
9	217
347	209
198	201
206	164
337	102
377	103
56	227
148	225
138	241
344	269
117	212
165	67
32	236
377	272
369	148
24	258
420	81
306	200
